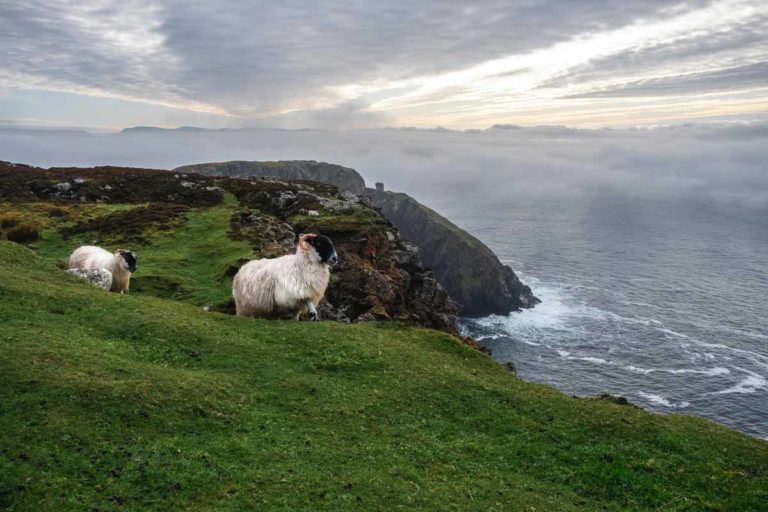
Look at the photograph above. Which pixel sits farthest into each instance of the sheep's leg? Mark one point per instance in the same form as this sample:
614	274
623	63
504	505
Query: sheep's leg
302	309
313	316
309	308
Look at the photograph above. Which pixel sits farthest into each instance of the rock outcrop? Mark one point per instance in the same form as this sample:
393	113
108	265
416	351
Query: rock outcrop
468	269
341	177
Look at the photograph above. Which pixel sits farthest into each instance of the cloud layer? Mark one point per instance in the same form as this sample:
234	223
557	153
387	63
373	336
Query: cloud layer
713	162
330	63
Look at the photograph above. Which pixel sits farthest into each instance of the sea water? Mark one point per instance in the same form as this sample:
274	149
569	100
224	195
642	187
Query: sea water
662	301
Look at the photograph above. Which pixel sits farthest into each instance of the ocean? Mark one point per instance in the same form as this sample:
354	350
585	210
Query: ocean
662	301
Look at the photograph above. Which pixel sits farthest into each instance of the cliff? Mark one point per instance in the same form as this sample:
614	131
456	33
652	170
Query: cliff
341	177
462	264
192	233
468	269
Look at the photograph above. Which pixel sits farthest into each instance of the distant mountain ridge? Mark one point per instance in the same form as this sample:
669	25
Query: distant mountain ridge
467	268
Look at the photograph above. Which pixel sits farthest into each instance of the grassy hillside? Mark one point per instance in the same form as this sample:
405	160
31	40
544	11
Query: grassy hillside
136	402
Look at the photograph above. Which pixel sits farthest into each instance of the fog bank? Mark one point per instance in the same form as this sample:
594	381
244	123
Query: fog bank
719	162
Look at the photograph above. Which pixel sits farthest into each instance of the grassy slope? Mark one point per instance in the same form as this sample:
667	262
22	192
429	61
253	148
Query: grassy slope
188	263
133	402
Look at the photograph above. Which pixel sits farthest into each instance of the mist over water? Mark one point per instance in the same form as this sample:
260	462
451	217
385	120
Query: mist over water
649	248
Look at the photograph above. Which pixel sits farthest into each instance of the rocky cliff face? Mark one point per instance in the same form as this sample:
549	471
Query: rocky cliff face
469	270
341	177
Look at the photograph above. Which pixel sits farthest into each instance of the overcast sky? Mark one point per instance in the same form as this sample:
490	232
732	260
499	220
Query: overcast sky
341	64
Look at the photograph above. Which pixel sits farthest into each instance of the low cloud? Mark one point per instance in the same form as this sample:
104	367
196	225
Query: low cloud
717	162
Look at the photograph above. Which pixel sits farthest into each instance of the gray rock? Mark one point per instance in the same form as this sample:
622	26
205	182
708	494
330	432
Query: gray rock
63	186
100	277
284	199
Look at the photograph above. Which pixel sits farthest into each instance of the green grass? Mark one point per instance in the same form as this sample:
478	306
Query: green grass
134	402
195	257
350	221
188	263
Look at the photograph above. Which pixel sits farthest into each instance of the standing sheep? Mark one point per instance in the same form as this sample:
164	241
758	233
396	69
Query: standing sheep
121	264
292	284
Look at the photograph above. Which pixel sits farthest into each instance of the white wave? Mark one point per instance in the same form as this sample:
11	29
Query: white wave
749	384
557	311
674	333
753	356
490	337
711	372
660	400
742	332
595	360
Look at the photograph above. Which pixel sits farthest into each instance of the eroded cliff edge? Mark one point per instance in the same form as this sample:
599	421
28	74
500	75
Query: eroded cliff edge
470	272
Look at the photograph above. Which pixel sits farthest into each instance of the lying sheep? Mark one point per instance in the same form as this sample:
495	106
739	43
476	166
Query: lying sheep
292	284
121	264
99	277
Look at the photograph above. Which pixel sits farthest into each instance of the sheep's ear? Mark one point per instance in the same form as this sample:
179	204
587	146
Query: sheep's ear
303	245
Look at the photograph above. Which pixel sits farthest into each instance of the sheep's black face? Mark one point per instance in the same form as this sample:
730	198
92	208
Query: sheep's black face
324	248
130	260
